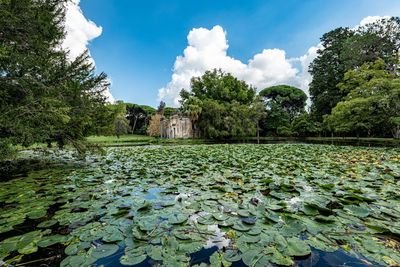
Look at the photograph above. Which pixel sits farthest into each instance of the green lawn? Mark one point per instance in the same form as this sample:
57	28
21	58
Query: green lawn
140	140
129	138
137	140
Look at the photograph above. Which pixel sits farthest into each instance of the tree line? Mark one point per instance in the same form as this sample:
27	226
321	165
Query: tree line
132	118
355	91
45	97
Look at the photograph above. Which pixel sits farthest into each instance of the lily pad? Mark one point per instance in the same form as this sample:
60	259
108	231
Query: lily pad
104	250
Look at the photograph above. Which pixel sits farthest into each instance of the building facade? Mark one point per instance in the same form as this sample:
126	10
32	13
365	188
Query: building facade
176	127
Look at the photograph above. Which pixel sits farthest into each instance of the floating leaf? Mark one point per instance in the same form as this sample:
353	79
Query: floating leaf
77	261
232	256
357	211
177	218
73	249
104	250
297	247
51	240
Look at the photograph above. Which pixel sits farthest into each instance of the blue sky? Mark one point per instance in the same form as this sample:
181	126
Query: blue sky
141	39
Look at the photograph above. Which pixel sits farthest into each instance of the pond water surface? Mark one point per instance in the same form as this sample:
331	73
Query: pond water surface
238	205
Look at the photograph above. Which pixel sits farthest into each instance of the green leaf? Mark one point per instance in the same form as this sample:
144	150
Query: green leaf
77	261
280	259
358	211
132	260
297	247
155	252
217	260
232	256
73	249
104	250
249	238
51	240
47	224
239	226
177	218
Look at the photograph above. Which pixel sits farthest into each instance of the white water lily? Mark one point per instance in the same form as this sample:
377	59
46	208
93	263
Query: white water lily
218	239
294	202
193	218
307	188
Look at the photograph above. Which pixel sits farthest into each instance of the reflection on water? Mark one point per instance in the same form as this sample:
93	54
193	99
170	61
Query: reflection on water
316	259
218	241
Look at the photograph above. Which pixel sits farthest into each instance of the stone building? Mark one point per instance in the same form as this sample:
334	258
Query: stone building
176	127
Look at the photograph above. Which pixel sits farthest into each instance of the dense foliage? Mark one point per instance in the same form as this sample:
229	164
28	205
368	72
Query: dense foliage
139	116
372	104
283	105
222	106
254	205
44	96
344	49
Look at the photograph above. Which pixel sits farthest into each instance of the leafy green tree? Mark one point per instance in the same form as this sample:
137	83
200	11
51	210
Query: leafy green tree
344	49
192	107
372	104
259	114
161	108
284	131
303	125
222	87
283	103
221	105
169	111
327	71
139	117
43	95
121	125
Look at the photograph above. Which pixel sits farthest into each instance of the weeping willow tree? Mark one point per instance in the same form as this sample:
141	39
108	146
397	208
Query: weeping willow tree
44	96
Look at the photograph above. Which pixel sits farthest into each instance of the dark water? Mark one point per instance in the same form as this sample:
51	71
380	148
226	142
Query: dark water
316	259
53	255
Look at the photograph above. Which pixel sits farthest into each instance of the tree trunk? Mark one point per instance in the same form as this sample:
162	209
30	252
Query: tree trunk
134	124
396	132
258	133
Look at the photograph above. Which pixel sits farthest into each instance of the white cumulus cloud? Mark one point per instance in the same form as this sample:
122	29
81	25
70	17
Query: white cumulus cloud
79	32
371	19
208	49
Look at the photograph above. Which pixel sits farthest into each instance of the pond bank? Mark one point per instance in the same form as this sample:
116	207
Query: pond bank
111	141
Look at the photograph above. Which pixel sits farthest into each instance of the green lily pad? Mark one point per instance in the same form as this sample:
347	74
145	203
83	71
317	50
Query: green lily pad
297	247
104	250
75	248
232	256
249	238
51	240
47	224
239	226
357	211
280	259
78	261
177	218
155	252
220	216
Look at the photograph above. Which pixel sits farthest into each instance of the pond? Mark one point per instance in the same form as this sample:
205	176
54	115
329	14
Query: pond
218	205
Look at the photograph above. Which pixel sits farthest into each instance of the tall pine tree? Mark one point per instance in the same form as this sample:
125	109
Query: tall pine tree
44	96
